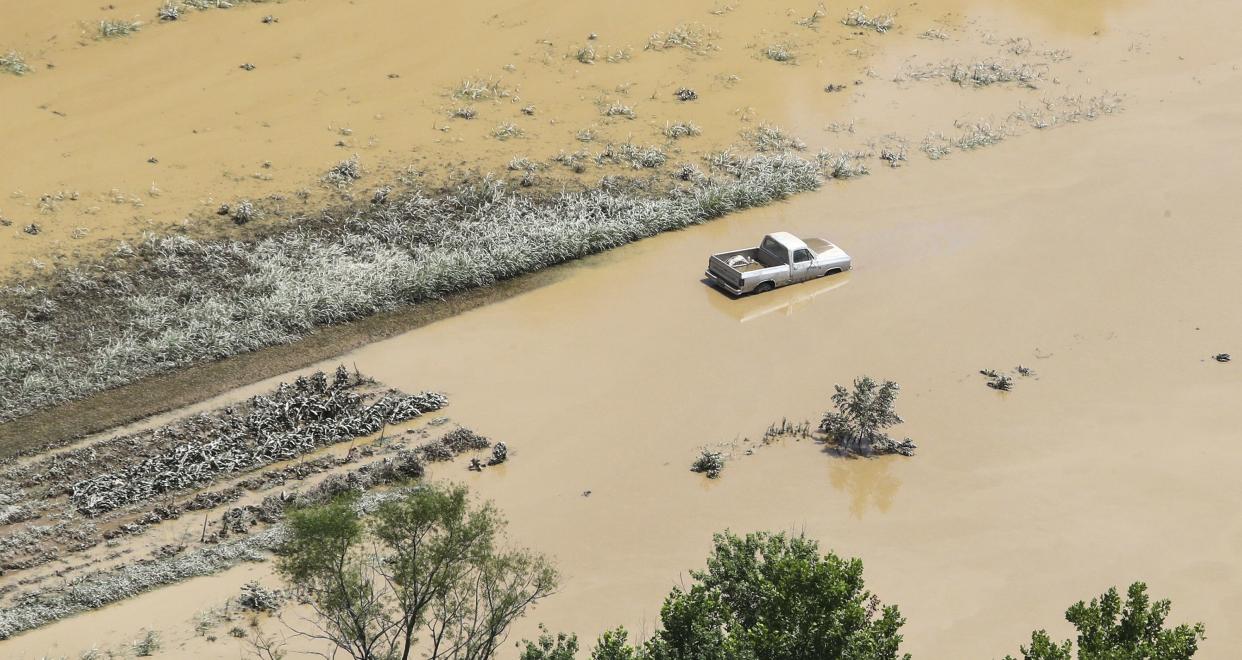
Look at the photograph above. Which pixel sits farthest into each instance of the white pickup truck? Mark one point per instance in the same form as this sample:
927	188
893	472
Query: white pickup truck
780	259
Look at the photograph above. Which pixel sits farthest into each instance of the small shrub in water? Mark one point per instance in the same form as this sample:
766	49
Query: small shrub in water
109	28
779	53
148	645
686	94
858	18
710	463
169	11
618	110
14	63
857	425
344	173
681	129
506	131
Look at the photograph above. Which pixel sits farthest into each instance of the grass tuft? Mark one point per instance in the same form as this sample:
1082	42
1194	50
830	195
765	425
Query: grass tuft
780	53
344	173
681	129
859	18
111	29
13	62
506	131
693	37
767	138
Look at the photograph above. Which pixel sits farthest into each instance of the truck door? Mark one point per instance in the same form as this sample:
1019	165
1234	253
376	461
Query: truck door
800	269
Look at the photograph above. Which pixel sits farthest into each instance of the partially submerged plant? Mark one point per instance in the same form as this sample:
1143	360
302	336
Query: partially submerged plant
710	463
816	16
506	131
893	151
859	18
258	598
1001	382
14	63
979	134
147	645
474	89
779	53
861	416
244	211
936	145
771	138
685	94
693	37
465	112
841	165
631	155
169	11
110	28
617	109
585	54
680	129
344	173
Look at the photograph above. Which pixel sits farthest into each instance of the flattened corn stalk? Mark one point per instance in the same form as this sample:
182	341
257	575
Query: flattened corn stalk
285	424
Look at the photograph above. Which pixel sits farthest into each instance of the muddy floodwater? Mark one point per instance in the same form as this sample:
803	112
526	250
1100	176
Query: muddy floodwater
1102	256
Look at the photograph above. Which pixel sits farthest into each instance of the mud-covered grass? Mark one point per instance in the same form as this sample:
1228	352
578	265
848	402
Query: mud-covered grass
14	62
172	301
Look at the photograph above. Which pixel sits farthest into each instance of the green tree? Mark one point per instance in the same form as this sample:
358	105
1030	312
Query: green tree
857	425
547	647
772	597
425	562
1111	630
614	645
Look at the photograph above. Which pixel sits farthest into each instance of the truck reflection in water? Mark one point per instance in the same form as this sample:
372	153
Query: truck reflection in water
785	301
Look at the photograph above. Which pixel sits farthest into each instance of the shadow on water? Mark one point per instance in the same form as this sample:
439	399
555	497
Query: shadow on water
867	481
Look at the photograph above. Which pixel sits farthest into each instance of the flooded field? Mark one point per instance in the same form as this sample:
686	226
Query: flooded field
1100	255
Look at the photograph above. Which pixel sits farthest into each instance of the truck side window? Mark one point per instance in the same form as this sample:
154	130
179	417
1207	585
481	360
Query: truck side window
802	255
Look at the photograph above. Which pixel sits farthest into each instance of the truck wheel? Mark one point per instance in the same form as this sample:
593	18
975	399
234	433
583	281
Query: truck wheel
765	287
832	271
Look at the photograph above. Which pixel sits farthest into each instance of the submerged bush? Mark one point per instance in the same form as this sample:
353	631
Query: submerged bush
710	463
857	425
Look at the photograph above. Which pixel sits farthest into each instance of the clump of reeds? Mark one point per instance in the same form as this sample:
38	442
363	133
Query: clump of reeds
111	28
771	138
476	89
344	173
709	463
169	11
630	155
13	62
936	145
507	131
779	53
841	164
681	129
979	134
693	37
617	109
859	18
816	16
585	54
